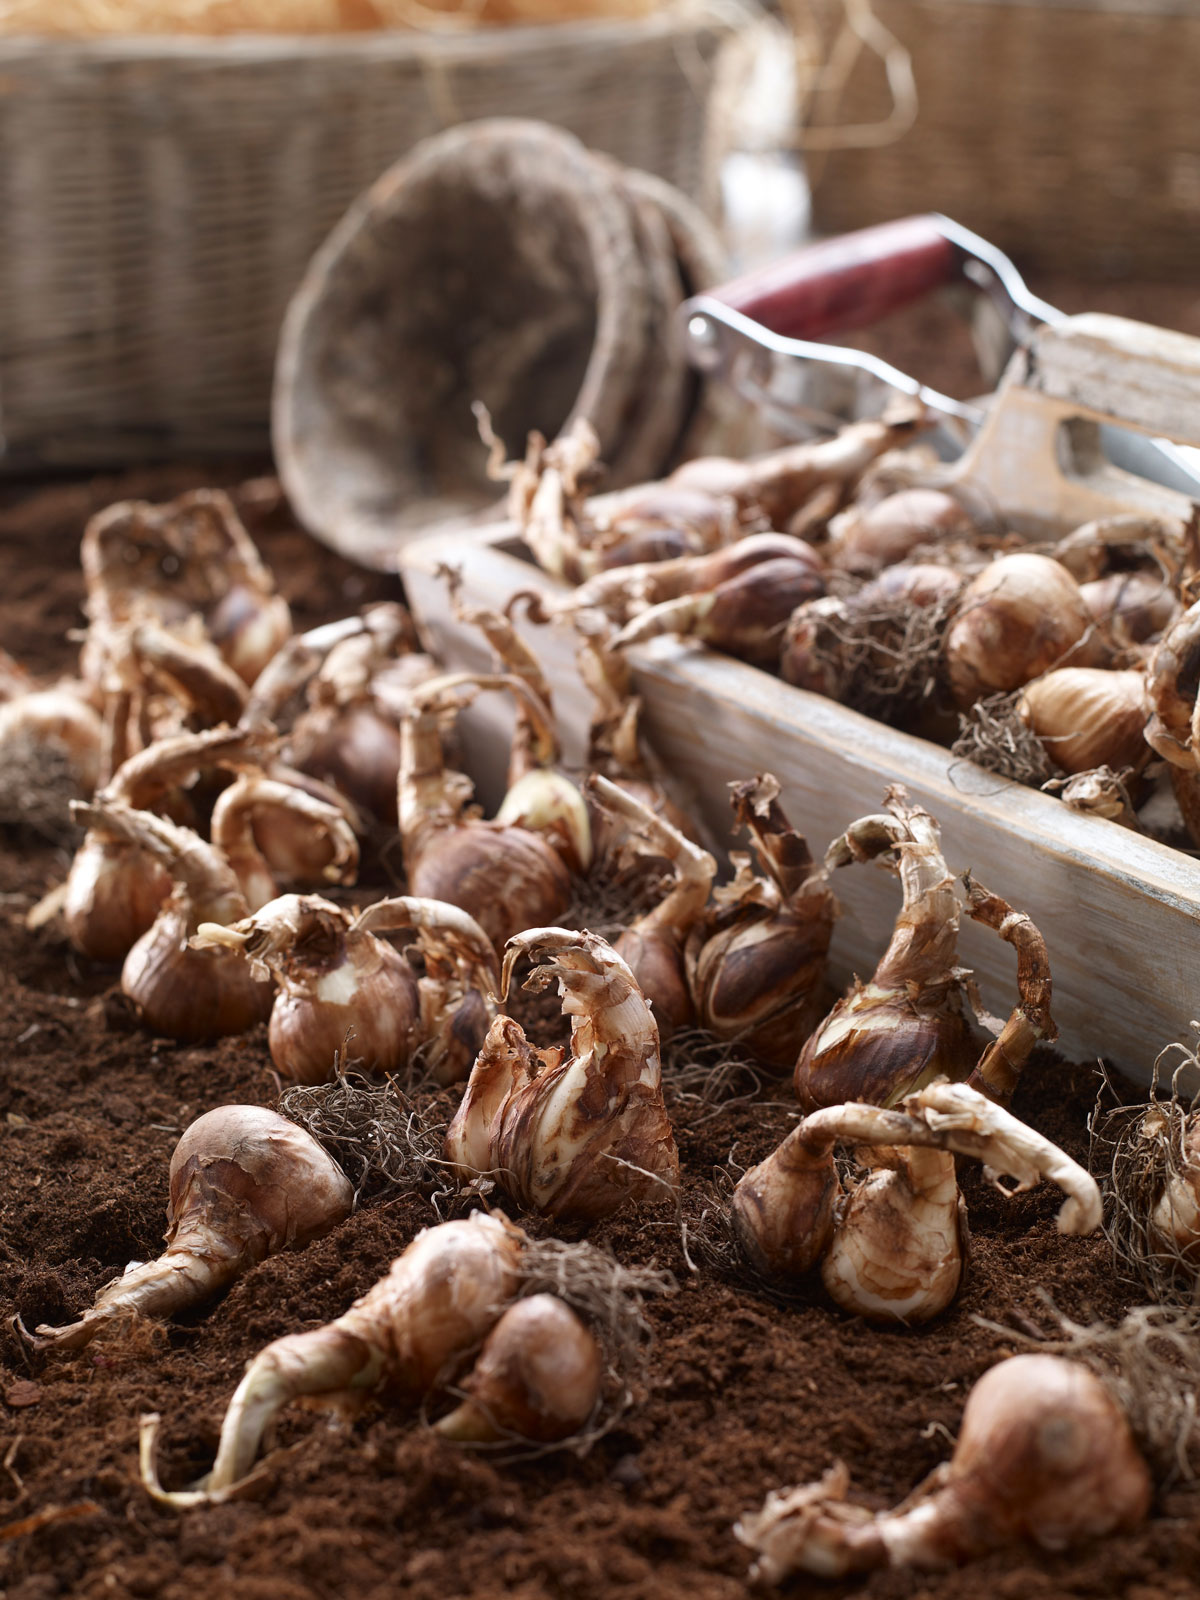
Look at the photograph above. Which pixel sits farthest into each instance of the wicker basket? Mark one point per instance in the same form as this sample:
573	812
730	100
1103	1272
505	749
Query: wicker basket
161	199
1065	131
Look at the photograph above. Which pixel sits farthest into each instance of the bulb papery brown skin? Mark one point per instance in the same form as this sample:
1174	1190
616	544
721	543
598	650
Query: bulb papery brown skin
757	962
311	840
744	616
179	992
897	1249
357	673
891	529
579	1134
1021	616
907	1025
653	945
244	1184
114	888
192	673
1172	682
1045	1456
1088	717
537	1378
623	592
335	980
1133	606
506	876
409	1333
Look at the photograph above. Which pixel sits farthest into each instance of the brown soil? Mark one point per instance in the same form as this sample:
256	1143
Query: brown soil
741	1395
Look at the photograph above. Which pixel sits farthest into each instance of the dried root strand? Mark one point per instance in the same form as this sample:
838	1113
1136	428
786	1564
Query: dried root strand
995	737
1139	1151
384	1138
881	656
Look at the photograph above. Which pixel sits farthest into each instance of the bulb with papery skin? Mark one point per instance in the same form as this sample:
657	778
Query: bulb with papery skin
114	889
757	967
1087	717
1045	1457
1021	616
508	877
244	1183
537	1378
409	1334
180	992
574	1134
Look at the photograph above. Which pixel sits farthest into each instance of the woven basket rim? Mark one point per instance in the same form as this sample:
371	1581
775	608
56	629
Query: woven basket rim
393	43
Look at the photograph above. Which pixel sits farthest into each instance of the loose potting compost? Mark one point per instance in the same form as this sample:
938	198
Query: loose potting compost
596	956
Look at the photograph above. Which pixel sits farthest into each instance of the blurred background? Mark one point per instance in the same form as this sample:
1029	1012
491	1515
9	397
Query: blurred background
168	167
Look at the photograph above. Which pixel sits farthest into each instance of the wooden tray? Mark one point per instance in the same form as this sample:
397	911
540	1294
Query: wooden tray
1121	914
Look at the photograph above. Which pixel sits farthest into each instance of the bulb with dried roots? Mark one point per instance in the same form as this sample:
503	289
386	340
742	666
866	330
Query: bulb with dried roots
572	1134
891	1247
1045	1456
244	1184
467	1297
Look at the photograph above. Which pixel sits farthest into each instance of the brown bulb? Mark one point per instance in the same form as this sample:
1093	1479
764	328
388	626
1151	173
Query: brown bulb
782	1209
1022	616
244	1183
1087	717
757	967
538	1377
891	529
342	992
1134	606
508	878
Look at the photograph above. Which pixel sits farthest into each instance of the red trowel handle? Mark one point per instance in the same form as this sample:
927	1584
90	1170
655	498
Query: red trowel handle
848	282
